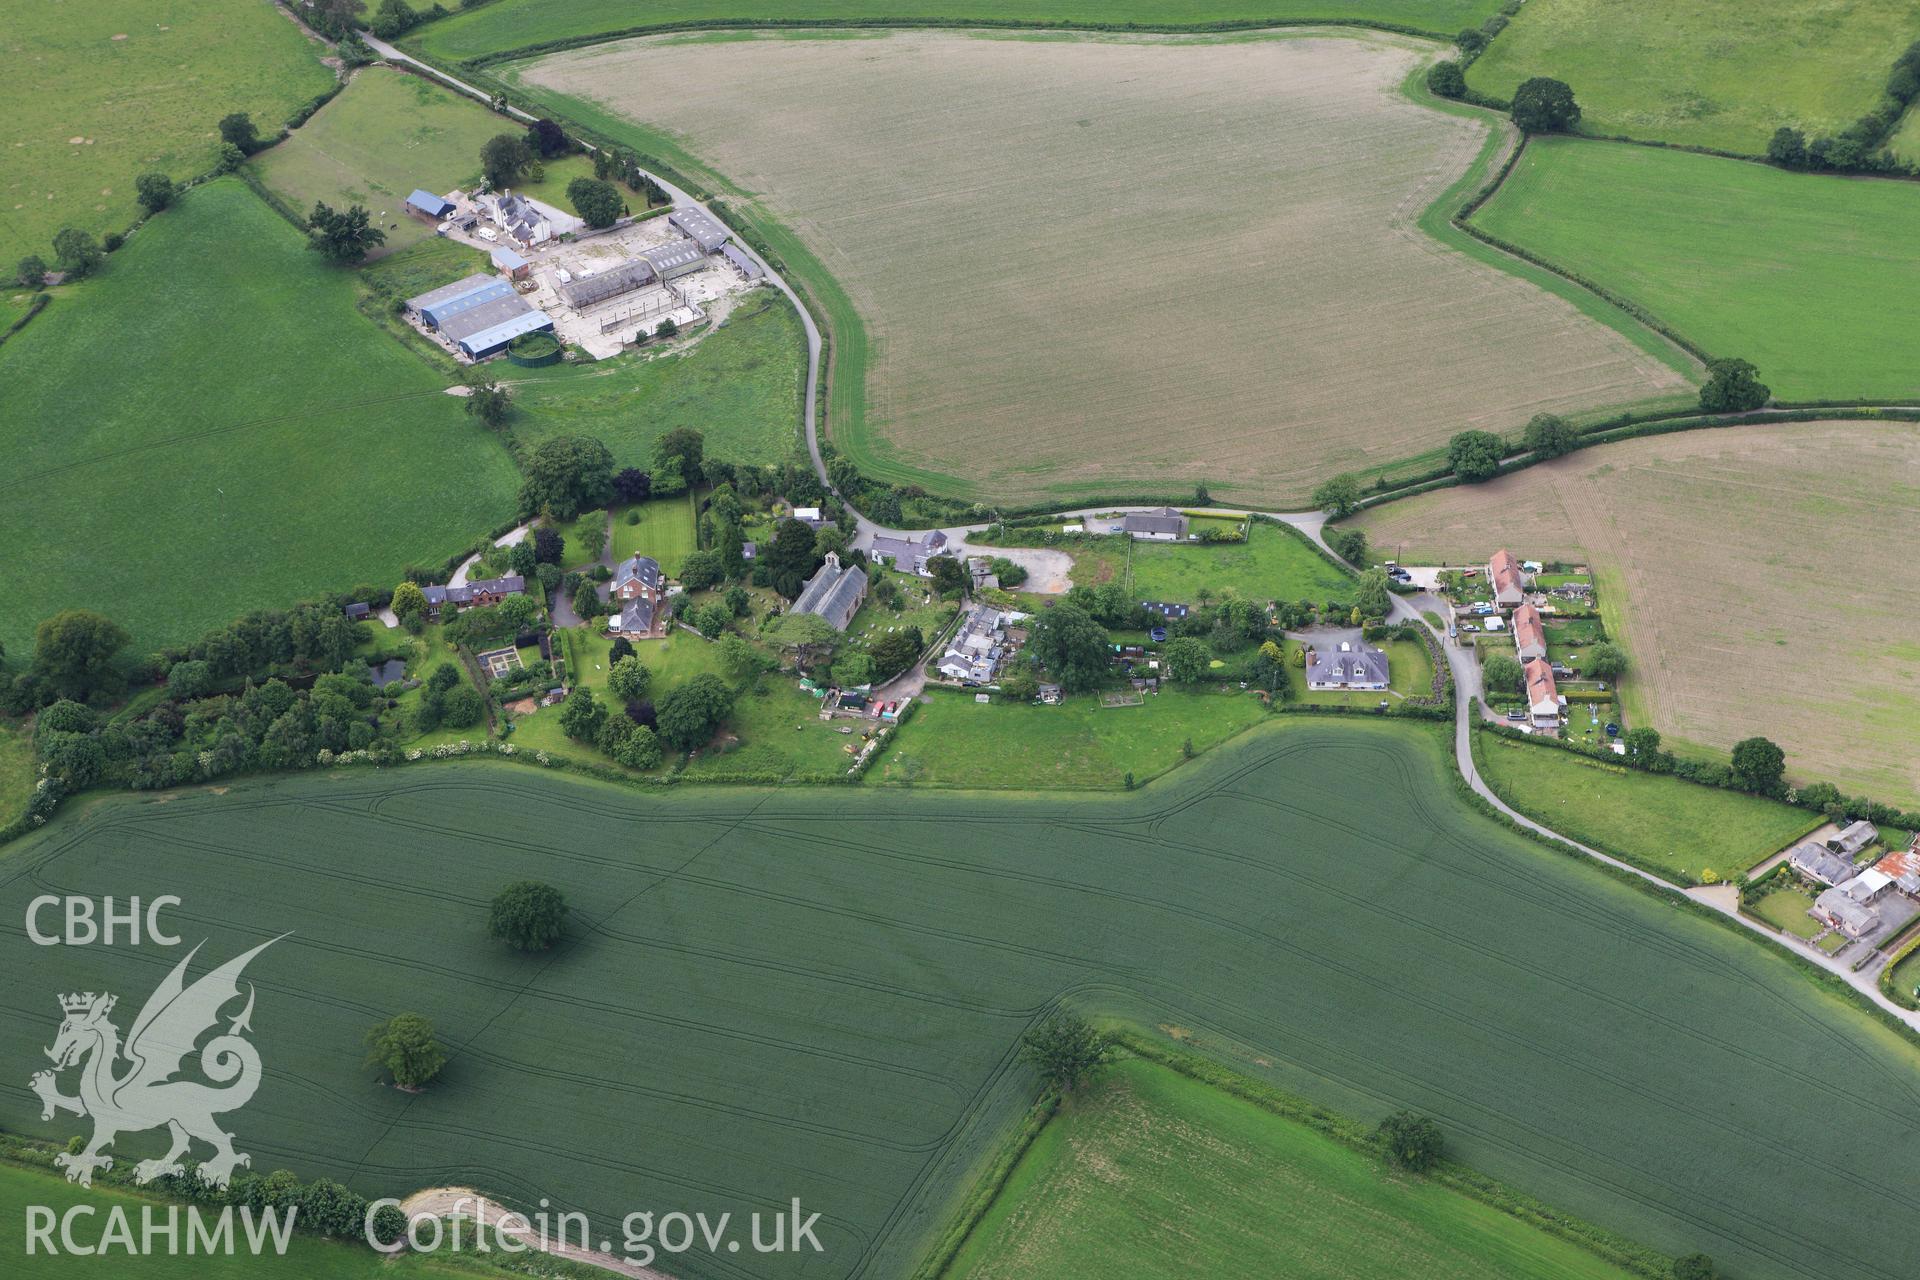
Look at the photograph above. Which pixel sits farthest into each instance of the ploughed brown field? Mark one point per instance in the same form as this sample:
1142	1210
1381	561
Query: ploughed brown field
1762	578
1119	265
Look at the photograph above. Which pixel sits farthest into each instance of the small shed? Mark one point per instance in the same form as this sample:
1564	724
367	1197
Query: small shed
510	264
425	204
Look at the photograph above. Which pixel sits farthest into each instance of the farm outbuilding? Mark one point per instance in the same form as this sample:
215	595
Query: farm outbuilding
425	204
480	314
675	258
738	257
511	265
587	291
700	226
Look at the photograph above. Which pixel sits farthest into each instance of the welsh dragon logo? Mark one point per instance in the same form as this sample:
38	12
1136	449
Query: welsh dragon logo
145	1095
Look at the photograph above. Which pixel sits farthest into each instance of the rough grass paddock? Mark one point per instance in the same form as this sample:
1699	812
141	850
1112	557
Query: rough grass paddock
386	134
97	94
210	427
741	385
1272	564
1155	1174
1761	578
816	994
1116	265
1674	828
516	24
1715	73
1808	276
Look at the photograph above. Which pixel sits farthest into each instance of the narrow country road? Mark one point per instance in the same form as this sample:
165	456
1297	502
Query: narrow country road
1468	703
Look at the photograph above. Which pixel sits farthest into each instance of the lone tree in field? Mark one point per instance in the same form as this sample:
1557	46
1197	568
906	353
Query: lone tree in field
1475	455
503	158
528	916
1067	1051
489	401
155	191
1545	105
237	130
1759	765
1502	673
1412	1142
1549	435
599	203
342	235
1733	386
403	1046
1339	496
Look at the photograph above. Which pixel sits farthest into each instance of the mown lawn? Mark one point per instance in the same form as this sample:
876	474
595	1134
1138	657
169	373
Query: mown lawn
308	1257
664	531
1672	827
953	741
386	134
1272	564
515	24
740	385
1714	73
1156	1174
223	365
1787	909
1806	275
100	93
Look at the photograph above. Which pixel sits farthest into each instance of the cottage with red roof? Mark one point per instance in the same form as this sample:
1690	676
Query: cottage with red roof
1507	578
1529	634
1543	698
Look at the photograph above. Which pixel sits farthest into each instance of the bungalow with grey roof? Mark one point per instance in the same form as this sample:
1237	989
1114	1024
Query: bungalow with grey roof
1164	525
1351	665
834	593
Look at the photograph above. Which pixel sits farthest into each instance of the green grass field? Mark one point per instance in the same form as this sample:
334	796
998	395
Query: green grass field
1805	275
516	24
665	531
1675	828
1713	73
741	386
19	770
1272	564
298	448
386	134
769	993
308	1257
1156	1174
953	741
103	92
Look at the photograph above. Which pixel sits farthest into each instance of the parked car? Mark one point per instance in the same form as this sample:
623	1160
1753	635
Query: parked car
1453	631
1516	714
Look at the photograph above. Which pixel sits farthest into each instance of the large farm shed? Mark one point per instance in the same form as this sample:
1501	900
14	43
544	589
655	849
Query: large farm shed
699	226
587	291
480	314
675	258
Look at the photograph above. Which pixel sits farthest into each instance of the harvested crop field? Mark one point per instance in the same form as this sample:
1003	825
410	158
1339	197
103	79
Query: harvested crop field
1763	579
775	993
1118	264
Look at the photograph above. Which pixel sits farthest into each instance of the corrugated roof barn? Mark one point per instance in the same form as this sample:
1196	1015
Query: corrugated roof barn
592	290
676	258
702	227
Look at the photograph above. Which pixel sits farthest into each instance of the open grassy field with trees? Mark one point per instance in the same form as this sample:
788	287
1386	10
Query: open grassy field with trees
103	92
793	994
1272	564
1741	258
386	134
1674	828
741	386
1712	73
298	448
1060	356
1758	577
516	24
1156	1174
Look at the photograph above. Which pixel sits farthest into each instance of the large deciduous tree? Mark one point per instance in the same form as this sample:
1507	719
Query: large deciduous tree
527	915
1733	386
1339	496
503	158
1759	765
565	476
1412	1141
404	1047
1475	455
74	651
1549	435
342	235
688	715
1068	1051
1545	105
1071	645
598	203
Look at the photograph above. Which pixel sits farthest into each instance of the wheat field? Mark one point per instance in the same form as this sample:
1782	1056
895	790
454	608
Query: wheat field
1122	265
